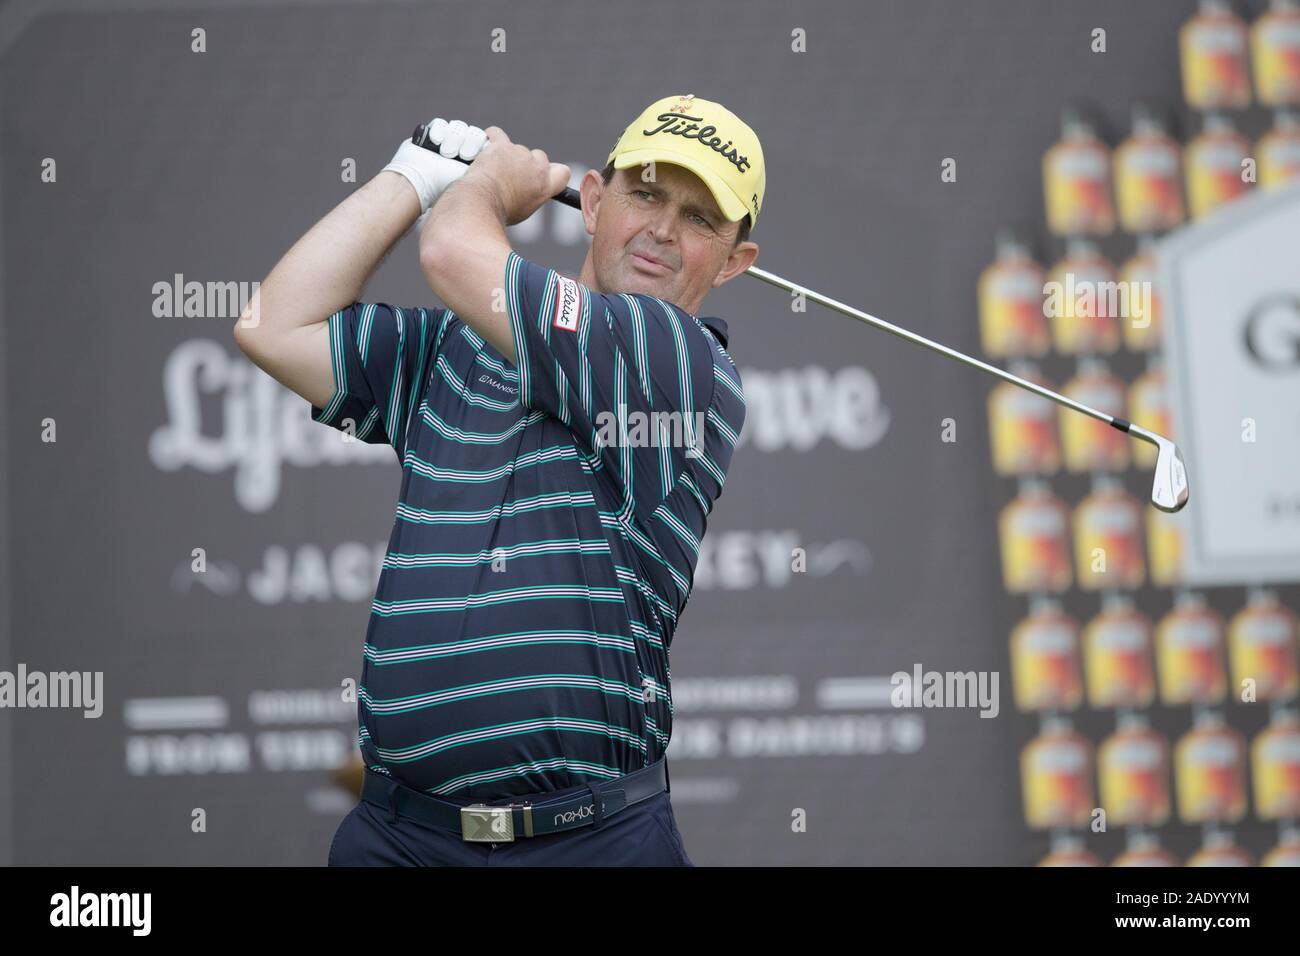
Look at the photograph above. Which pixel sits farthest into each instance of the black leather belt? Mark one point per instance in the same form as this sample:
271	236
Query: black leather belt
503	822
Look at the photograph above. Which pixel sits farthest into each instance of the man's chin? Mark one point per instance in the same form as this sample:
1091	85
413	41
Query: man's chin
639	282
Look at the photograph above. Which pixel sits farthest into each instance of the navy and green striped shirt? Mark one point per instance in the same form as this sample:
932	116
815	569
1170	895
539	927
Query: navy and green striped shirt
547	530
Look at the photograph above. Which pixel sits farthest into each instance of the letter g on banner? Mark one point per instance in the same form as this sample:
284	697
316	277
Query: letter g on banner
1271	333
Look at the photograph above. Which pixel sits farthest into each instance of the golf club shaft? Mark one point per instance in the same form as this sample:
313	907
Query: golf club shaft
570	197
1119	423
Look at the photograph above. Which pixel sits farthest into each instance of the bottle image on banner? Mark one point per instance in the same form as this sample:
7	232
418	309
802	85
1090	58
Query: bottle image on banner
1045	668
1088	443
1010	293
1022	427
1262	647
1214	165
1164	547
1275	762
1144	850
1212	51
1117	656
1056	777
1278	151
1220	850
1108	538
1083	301
1141	325
1076	180
1286	853
1148	406
1034	532
1148	176
1069	851
1209	772
1133	768
1275	54
1189	653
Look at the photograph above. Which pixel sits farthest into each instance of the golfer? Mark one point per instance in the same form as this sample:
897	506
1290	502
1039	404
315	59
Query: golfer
562	443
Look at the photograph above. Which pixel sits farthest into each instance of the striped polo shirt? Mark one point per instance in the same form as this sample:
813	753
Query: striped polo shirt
547	528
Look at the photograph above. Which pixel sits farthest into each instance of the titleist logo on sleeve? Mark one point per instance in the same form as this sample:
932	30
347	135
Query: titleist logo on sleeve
568	304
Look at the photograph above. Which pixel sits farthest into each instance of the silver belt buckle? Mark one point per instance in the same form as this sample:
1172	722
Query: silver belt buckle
481	823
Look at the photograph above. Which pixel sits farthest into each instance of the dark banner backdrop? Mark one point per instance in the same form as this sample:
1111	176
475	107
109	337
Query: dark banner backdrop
222	689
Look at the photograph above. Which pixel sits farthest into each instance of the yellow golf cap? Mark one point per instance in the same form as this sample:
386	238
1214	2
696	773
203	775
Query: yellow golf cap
706	138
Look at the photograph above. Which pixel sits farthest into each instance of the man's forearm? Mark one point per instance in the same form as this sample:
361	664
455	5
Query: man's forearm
328	267
467	214
463	251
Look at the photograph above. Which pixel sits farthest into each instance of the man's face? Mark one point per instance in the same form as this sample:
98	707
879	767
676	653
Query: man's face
674	220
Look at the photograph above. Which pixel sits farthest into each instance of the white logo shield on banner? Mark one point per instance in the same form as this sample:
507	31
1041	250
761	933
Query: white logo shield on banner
1231	286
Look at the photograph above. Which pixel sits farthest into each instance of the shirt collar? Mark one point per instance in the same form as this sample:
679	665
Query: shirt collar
717	327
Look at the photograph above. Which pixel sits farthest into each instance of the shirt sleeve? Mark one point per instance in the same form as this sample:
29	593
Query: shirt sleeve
379	354
631	375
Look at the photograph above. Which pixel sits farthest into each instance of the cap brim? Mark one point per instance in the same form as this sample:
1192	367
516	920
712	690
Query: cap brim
731	207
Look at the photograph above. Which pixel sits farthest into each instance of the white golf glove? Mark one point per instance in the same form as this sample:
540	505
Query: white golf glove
429	172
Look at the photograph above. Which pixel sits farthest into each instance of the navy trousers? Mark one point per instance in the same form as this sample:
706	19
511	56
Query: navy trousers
644	834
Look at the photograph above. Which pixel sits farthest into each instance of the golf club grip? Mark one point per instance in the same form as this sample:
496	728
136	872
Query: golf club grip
569	196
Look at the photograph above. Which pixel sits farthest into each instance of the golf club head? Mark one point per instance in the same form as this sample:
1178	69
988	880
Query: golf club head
1169	484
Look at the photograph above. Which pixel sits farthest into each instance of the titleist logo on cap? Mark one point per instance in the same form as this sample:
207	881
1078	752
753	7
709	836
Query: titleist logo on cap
675	123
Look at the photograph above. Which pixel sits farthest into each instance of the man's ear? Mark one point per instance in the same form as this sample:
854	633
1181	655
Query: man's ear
741	258
591	189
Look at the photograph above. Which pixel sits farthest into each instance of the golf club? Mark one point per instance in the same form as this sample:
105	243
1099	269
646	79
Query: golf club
1169	490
